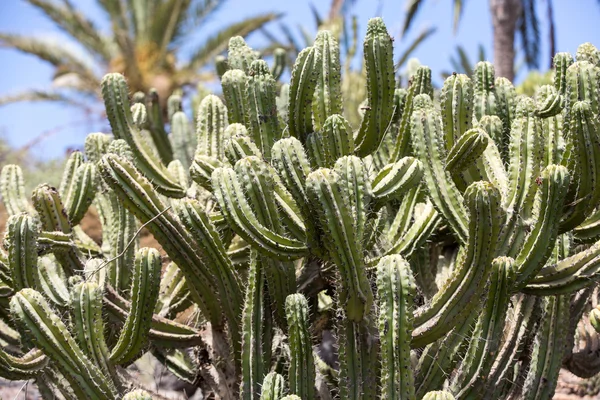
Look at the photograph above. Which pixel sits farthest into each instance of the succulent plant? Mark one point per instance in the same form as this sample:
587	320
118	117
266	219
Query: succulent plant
444	246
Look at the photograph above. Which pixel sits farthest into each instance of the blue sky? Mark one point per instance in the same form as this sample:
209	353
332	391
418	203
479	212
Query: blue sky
66	127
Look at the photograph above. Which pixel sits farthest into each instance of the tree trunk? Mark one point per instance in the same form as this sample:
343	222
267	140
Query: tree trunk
505	14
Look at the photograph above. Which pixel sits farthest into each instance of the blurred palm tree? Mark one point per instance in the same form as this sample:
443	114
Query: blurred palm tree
511	19
143	44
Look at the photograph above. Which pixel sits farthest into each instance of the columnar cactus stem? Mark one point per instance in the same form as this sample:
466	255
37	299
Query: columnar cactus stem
457	298
420	84
183	139
330	197
548	349
235	85
240	56
525	152
79	192
328	96
302	364
523	318
240	216
486	336
156	127
86	303
114	93
228	285
49	333
429	147
144	294
561	61
359	367
395	291
12	190
240	144
273	387
25	367
305	74
22	247
584	162
588	52
279	62
137	195
457	107
253	344
52	281
262	111
440	357
567	275
137	394
484	99
535	251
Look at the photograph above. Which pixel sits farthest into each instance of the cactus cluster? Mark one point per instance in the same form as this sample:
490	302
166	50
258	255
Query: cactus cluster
450	245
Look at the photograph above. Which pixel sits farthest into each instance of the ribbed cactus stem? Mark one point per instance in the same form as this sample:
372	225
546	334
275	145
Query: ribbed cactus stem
460	294
115	95
548	349
379	63
235	84
21	244
144	294
328	93
395	292
302	365
429	148
457	107
156	127
12	190
49	333
305	74
273	387
137	195
240	55
86	304
253	345
262	110
420	83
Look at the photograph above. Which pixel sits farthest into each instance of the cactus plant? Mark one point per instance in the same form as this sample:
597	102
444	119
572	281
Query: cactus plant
440	247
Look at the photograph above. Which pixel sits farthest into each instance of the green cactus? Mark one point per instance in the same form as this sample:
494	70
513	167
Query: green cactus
443	242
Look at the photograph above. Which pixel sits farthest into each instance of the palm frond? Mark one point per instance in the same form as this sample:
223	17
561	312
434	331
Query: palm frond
36	95
411	11
529	32
287	32
218	43
467	66
76	25
413	46
167	22
552	32
316	15
199	12
58	56
139	14
458	10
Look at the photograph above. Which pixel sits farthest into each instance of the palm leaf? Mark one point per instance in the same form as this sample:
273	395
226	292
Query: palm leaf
218	43
412	8
76	25
59	56
36	95
316	15
458	10
467	66
529	32
413	46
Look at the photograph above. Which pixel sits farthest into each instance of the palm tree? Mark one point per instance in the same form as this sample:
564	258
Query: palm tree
143	44
511	19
